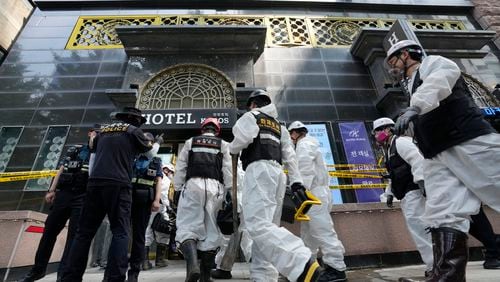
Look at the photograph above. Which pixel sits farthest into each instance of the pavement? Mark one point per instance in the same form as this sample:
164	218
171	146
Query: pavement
176	271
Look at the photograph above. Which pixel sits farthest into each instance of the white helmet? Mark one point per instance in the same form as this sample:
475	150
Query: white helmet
169	167
381	122
402	44
399	46
296	125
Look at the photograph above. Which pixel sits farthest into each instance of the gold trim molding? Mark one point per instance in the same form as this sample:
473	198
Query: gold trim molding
98	32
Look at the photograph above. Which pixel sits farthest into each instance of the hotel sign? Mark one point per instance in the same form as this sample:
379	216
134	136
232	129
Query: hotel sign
491	111
187	118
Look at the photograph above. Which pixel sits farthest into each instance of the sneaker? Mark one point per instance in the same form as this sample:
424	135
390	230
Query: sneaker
220	274
330	274
312	271
491	263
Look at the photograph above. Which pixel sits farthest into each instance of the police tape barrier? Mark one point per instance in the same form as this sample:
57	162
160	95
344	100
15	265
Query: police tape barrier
377	170
26	176
358	186
354	165
18	173
352	175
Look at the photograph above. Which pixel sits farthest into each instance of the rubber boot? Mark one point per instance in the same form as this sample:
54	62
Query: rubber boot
133	273
146	264
161	254
221	274
33	275
207	262
312	272
190	253
332	275
450	255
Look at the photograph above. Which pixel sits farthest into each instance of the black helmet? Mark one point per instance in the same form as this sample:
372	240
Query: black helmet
257	93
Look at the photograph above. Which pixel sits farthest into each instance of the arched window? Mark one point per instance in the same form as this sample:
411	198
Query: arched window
187	86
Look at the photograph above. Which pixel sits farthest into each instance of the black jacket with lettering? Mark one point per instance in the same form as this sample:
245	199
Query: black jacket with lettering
456	120
267	144
205	158
116	147
399	172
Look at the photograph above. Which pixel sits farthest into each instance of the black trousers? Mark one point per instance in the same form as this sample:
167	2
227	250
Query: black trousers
141	212
480	228
114	200
67	205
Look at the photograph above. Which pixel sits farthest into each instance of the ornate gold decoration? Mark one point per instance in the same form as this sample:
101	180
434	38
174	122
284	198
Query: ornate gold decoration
96	32
99	32
480	93
187	86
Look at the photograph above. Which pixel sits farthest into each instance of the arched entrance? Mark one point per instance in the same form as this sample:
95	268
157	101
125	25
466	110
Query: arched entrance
177	99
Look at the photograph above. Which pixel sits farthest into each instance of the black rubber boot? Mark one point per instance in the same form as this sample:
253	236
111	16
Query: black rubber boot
332	275
221	274
207	262
161	254
312	272
190	254
133	274
33	275
146	264
450	255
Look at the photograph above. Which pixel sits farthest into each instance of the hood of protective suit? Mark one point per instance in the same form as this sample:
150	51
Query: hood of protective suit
269	110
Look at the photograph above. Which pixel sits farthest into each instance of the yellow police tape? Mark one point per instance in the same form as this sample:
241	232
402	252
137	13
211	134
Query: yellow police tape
346	174
358	186
25	175
353	165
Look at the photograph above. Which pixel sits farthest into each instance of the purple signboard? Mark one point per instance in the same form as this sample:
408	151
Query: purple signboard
359	151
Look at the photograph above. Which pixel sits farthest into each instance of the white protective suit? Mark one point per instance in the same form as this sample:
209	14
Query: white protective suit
200	201
273	247
246	241
319	231
151	235
462	176
413	203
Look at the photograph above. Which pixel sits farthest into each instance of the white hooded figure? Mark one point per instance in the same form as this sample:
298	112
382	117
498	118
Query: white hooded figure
203	174
265	145
319	232
461	151
403	159
161	239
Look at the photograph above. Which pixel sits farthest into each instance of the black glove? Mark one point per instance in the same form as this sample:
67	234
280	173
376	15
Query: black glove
298	186
177	195
409	114
299	196
159	139
421	185
390	198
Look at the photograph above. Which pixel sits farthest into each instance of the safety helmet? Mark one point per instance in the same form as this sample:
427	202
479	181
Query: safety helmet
400	45
169	167
256	93
297	125
214	122
385	121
